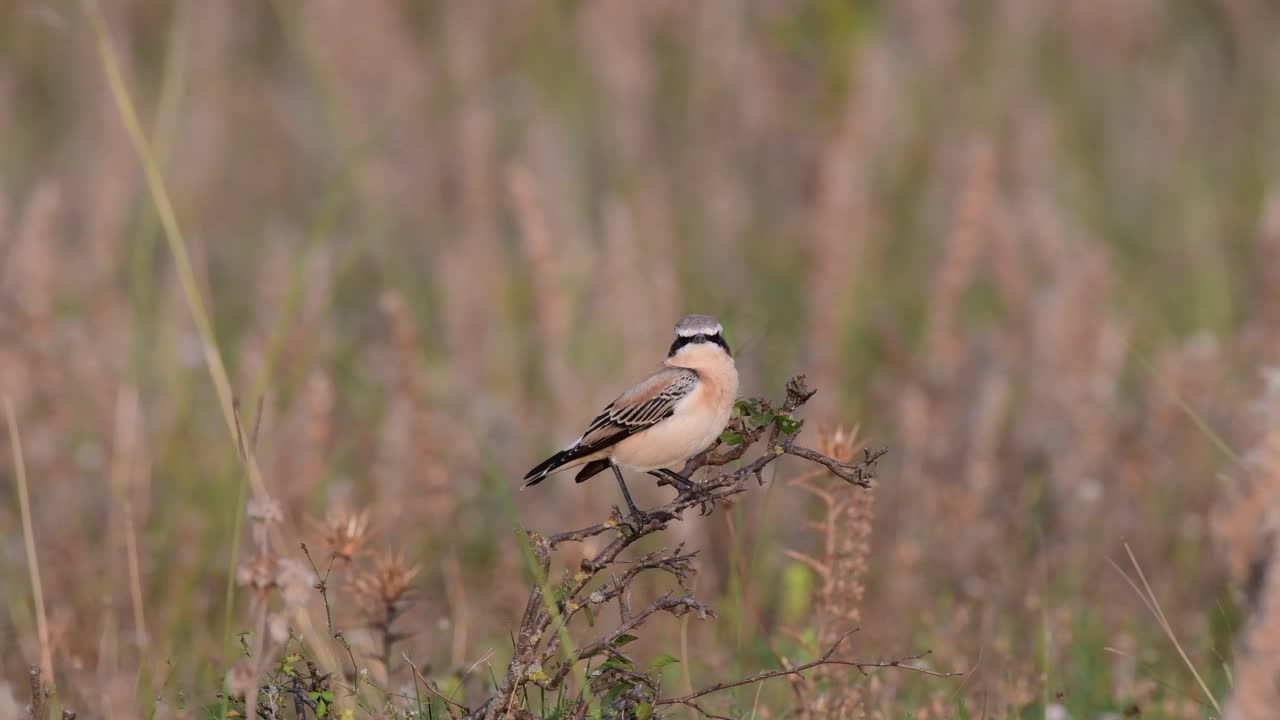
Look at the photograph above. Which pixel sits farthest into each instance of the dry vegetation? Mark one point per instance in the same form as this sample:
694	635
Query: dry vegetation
1031	247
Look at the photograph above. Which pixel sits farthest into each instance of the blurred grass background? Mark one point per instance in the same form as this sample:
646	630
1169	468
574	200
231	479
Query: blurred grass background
1033	247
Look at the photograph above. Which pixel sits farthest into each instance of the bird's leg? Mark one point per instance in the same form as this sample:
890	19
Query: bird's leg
681	481
685	487
626	495
675	479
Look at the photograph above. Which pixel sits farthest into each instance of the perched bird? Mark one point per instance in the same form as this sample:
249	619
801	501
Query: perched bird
663	420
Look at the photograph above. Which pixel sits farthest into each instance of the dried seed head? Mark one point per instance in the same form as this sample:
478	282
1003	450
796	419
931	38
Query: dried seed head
296	583
838	442
264	510
258	573
389	586
278	627
241	679
345	533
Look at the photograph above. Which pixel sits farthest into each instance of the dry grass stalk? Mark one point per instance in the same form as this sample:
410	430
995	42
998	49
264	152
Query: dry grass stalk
409	462
29	544
963	244
126	458
727	120
845	536
551	301
172	230
838	238
460	612
1247	528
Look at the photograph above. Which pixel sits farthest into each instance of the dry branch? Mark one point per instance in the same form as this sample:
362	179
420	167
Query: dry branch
544	655
828	658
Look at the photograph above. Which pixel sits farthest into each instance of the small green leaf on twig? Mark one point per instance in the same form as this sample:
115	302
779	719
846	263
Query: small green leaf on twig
662	661
623	639
322	700
616	663
788	425
614	693
644	711
731	437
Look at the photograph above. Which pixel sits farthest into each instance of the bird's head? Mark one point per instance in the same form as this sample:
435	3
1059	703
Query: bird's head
698	333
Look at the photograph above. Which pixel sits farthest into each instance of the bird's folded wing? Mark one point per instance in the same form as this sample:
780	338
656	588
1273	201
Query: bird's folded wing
640	407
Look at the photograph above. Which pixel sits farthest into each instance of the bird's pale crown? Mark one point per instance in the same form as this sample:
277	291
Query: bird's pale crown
691	325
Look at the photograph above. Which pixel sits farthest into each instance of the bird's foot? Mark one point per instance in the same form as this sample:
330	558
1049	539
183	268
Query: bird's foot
636	519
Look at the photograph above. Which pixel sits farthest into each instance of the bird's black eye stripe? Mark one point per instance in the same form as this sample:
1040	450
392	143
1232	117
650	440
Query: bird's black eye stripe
719	340
701	338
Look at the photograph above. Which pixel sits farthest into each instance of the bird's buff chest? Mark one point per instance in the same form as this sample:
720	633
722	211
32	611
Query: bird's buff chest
696	423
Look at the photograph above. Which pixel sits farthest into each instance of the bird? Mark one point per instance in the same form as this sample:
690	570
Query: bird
673	414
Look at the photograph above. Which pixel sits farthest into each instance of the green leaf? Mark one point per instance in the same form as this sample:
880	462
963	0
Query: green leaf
322	708
623	639
616	663
788	425
644	711
662	661
591	616
761	419
613	693
731	437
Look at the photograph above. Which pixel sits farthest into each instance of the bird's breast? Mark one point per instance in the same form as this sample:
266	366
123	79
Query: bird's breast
696	423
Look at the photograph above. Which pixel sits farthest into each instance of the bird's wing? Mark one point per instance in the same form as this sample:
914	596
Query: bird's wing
643	405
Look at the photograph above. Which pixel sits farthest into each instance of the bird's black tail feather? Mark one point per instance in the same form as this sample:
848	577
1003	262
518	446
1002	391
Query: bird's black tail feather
544	468
590	469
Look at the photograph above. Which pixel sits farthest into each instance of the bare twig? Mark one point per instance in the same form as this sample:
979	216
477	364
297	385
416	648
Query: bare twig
322	584
826	659
449	703
38	709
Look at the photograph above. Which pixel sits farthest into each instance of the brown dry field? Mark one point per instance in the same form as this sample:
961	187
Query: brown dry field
1031	247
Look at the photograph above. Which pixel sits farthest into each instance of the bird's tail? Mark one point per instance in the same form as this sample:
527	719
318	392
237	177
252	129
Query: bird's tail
546	467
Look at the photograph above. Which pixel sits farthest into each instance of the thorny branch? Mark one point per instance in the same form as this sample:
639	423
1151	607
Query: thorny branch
542	658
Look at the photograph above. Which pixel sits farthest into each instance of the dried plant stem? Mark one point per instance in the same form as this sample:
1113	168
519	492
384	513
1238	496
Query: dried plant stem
456	592
29	539
172	230
828	658
124	470
1153	604
135	578
39	707
449	703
